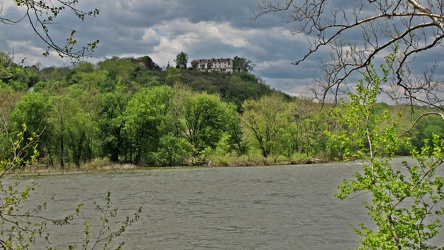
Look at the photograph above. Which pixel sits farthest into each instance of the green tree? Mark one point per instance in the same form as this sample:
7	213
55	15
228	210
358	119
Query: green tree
89	98
14	75
204	116
80	132
34	110
8	100
309	127
111	124
359	122
118	70
7	68
173	77
265	121
147	119
234	133
181	93
148	62
239	89
53	73
74	125
181	60
62	103
86	75
426	128
172	150
241	64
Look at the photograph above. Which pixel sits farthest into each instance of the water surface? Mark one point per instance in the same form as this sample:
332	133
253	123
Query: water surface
271	207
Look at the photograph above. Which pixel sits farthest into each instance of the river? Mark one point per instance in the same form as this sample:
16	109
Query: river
266	207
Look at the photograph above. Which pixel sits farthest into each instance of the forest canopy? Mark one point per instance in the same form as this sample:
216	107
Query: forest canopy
128	110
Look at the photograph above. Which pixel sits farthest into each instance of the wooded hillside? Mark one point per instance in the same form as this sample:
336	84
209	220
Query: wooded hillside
121	110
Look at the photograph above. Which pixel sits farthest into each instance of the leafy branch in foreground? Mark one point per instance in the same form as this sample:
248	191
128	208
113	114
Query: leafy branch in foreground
21	227
24	228
407	202
107	233
13	154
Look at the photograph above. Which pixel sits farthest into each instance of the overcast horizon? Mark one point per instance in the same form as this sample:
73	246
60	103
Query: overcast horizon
163	28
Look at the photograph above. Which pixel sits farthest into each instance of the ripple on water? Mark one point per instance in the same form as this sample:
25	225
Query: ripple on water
284	207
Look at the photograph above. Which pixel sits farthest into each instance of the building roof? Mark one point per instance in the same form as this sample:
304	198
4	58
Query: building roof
213	60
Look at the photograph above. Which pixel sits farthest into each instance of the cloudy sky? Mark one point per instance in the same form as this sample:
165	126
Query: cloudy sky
164	28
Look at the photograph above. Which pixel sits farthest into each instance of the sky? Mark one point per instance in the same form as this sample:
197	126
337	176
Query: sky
162	29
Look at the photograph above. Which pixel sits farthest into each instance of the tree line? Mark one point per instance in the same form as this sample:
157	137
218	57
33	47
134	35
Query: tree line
126	112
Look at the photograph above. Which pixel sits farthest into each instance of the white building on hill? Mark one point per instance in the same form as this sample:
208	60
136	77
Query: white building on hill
219	64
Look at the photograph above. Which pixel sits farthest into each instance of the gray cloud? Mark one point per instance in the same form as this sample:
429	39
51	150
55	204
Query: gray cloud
164	28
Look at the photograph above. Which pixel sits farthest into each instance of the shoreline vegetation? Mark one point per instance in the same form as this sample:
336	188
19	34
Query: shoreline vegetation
122	112
105	165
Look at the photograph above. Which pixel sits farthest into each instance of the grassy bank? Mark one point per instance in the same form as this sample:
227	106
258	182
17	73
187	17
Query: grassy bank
214	161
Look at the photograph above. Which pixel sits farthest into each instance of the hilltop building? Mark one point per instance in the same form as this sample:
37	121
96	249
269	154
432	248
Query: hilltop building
214	64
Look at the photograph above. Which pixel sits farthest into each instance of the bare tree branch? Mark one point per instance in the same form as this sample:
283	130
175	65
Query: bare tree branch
419	118
40	14
412	26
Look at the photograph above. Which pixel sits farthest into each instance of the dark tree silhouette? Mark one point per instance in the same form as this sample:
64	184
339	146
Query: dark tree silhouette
377	27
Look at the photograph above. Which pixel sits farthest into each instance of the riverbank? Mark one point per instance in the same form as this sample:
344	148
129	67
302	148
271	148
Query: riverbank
96	165
103	165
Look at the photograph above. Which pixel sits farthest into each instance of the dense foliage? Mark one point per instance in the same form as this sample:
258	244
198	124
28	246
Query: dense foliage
26	225
128	110
406	201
